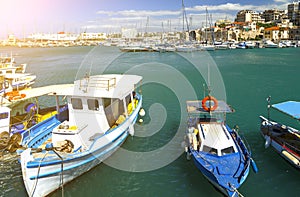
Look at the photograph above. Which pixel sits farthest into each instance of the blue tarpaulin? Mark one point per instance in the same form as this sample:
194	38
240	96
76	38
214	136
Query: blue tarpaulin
291	108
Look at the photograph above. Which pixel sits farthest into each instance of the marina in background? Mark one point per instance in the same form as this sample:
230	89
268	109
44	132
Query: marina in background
249	29
249	76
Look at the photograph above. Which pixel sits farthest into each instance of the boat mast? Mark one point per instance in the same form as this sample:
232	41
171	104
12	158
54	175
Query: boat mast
184	18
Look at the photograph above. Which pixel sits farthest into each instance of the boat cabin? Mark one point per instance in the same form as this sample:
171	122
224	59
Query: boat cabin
211	134
97	105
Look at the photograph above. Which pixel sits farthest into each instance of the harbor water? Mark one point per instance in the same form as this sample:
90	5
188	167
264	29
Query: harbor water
158	164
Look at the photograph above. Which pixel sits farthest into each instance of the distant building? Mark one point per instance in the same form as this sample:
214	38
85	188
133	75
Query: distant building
273	15
93	36
276	33
294	13
294	33
60	37
11	40
248	16
224	22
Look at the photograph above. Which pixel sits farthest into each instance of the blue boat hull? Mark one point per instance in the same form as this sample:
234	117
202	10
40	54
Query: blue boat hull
212	167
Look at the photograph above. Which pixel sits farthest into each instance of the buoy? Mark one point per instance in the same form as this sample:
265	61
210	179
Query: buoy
142	112
254	166
268	141
141	120
188	156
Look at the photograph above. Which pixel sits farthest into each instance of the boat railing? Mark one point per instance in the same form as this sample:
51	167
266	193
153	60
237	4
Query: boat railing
244	148
99	82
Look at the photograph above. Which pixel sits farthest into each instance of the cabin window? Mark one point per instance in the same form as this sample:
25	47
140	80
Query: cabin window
114	110
210	150
76	103
93	104
106	102
128	99
228	150
3	115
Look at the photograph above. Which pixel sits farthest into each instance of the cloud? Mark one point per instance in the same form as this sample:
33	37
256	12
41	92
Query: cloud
237	7
168	18
282	1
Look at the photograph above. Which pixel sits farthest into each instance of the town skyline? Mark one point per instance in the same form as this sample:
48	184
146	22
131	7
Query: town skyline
24	17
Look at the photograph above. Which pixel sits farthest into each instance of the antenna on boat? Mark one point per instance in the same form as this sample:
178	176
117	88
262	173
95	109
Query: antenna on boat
269	106
208	80
90	69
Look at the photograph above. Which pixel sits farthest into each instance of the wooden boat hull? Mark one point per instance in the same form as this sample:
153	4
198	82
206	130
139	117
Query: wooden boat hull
283	148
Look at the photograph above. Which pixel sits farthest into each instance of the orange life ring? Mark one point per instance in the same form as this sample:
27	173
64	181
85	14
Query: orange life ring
15	97
209	108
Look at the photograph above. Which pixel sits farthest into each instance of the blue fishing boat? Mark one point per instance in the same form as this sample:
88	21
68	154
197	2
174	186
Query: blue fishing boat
22	113
218	151
102	112
284	139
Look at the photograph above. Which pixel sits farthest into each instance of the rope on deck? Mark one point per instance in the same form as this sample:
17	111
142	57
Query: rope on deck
241	195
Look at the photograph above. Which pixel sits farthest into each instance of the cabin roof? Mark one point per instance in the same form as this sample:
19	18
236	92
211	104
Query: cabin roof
36	92
17	75
103	86
291	108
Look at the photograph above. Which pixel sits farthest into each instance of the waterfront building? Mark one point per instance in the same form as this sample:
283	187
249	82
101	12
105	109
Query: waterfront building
276	33
294	13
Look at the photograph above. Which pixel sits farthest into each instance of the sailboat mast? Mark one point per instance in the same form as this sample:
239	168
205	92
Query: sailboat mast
182	7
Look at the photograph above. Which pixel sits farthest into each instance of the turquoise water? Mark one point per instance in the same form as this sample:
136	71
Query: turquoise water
243	77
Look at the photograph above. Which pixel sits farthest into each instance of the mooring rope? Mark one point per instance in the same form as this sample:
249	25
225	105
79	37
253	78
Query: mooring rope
38	172
241	195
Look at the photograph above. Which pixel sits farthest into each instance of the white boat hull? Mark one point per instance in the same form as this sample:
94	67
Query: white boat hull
50	177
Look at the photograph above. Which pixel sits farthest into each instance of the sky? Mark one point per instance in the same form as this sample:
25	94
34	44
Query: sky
24	17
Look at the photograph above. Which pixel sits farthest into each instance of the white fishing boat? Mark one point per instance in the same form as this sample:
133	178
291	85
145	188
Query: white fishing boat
207	47
241	45
249	45
270	44
185	48
102	112
221	46
8	65
16	81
